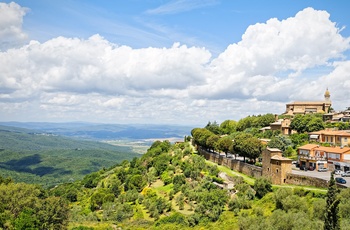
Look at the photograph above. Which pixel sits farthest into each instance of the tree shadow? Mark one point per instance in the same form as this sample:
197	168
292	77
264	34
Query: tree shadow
24	164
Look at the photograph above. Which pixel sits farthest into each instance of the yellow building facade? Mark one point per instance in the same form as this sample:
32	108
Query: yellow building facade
304	107
334	137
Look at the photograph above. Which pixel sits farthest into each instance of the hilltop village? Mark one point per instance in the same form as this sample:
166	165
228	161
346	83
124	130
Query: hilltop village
308	136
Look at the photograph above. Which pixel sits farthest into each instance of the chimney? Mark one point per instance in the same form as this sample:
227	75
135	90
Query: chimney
276	117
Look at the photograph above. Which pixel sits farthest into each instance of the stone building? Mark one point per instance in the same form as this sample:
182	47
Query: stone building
304	107
275	166
282	125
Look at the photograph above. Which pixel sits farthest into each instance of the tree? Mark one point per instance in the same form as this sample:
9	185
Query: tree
252	148
315	124
244	123
299	139
228	126
280	195
224	144
200	136
331	221
262	186
178	180
24	206
53	213
238	144
151	175
213	127
160	163
135	182
344	211
247	146
263	120
211	203
212	142
91	180
280	142
115	186
307	123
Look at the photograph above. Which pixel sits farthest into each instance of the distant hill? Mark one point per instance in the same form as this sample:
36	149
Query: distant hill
46	158
106	131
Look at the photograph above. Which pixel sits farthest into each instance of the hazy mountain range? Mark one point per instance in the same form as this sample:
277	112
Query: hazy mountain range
94	131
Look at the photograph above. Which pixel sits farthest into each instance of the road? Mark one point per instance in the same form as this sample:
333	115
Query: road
315	173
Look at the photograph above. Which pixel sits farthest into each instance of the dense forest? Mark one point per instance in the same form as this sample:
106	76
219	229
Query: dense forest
33	157
172	187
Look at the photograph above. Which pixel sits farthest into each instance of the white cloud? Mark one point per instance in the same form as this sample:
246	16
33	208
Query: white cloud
249	68
96	80
11	20
95	65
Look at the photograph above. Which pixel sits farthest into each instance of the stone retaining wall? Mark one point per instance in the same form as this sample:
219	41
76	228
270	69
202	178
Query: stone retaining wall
306	180
242	167
255	171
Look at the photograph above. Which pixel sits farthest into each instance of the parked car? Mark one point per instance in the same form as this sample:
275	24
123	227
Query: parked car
338	172
322	169
340	180
346	174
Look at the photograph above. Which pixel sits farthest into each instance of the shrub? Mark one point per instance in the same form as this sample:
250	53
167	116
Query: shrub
262	186
176	218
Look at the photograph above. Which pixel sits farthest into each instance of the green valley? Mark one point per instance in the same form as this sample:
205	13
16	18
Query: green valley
47	159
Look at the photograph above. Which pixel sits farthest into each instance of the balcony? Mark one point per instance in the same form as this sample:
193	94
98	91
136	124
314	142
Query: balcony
312	158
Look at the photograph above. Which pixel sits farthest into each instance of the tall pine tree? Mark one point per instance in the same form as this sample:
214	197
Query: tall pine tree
331	216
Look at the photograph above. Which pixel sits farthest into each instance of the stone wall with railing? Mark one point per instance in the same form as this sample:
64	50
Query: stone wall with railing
255	171
237	165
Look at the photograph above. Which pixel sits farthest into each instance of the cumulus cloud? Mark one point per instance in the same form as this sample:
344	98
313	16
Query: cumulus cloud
98	66
72	78
11	20
252	67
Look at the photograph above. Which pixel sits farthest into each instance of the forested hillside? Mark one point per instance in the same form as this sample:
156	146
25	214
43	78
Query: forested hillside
171	187
168	187
46	159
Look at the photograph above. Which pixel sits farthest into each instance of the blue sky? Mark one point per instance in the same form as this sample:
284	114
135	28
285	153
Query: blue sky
177	61
213	24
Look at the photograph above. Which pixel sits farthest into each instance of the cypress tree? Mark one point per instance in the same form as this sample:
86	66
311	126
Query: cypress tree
331	216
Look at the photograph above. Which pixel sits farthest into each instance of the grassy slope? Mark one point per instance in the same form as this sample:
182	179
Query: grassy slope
48	160
251	180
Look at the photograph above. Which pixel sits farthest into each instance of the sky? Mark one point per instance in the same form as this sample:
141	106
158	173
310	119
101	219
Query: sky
182	62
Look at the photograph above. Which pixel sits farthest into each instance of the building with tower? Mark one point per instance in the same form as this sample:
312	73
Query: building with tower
304	107
275	166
